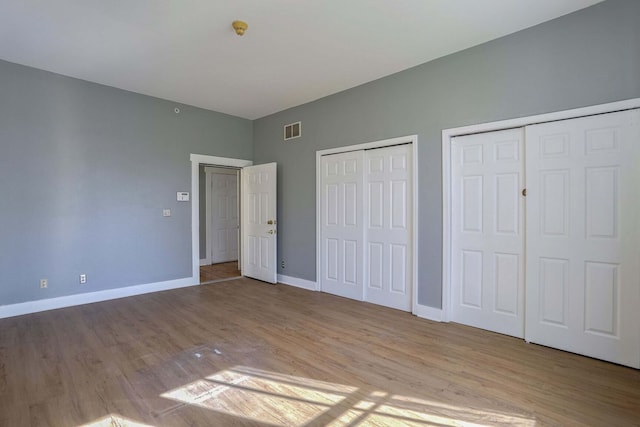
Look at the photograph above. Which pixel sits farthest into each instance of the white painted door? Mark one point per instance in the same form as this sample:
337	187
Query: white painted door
389	226
341	266
487	225
583	236
224	216
259	222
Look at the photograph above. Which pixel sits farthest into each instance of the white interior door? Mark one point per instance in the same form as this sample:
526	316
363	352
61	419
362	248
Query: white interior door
341	224
259	256
487	224
389	231
224	215
583	236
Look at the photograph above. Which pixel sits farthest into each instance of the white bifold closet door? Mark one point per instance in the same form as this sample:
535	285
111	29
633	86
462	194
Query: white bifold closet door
583	236
367	225
580	243
388	233
342	230
487	234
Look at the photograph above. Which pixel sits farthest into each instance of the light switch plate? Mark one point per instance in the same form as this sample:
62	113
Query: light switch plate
182	196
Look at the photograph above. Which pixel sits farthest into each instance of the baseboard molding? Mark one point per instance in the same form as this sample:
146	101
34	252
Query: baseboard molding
426	312
205	261
91	297
298	283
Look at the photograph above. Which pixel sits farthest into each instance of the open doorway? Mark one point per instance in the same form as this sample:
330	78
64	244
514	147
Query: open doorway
200	259
219	223
257	250
219	272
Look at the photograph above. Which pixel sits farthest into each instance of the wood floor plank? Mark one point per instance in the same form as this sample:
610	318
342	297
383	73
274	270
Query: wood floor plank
247	353
220	271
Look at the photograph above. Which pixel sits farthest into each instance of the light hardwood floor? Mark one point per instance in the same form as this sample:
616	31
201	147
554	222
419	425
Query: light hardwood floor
221	271
243	352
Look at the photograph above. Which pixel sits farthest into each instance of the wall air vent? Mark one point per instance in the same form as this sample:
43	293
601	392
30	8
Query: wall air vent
294	130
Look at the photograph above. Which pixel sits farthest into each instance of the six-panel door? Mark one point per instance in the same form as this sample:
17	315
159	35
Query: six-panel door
487	255
367	225
583	236
389	226
224	217
259	223
342	231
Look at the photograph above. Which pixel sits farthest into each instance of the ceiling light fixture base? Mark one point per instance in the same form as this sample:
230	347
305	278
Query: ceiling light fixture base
240	27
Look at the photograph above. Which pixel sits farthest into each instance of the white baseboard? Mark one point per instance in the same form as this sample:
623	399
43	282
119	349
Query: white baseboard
426	312
205	261
91	297
298	283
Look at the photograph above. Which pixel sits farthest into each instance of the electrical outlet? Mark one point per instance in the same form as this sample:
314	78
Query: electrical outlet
83	279
282	264
44	283
166	212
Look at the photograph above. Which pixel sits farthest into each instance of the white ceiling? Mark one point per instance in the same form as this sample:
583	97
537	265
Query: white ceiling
294	51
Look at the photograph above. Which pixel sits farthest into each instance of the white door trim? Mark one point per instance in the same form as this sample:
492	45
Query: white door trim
410	139
196	161
447	134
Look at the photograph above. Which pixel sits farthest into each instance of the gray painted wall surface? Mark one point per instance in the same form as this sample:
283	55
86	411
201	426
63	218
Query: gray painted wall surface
586	58
85	171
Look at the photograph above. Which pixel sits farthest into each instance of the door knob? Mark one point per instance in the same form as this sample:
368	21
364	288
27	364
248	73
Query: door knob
271	231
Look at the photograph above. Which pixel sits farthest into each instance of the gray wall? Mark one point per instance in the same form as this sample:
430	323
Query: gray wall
85	171
589	57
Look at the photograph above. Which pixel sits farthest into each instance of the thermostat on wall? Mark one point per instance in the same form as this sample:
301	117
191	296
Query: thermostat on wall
183	196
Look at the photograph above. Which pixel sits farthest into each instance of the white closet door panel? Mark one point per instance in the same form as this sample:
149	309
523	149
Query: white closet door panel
389	232
342	217
487	255
583	236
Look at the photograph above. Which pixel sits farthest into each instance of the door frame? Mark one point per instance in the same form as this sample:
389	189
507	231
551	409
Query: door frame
409	139
196	161
209	203
448	134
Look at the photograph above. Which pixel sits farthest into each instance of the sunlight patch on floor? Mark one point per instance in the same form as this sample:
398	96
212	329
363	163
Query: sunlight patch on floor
286	400
113	420
262	396
380	409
